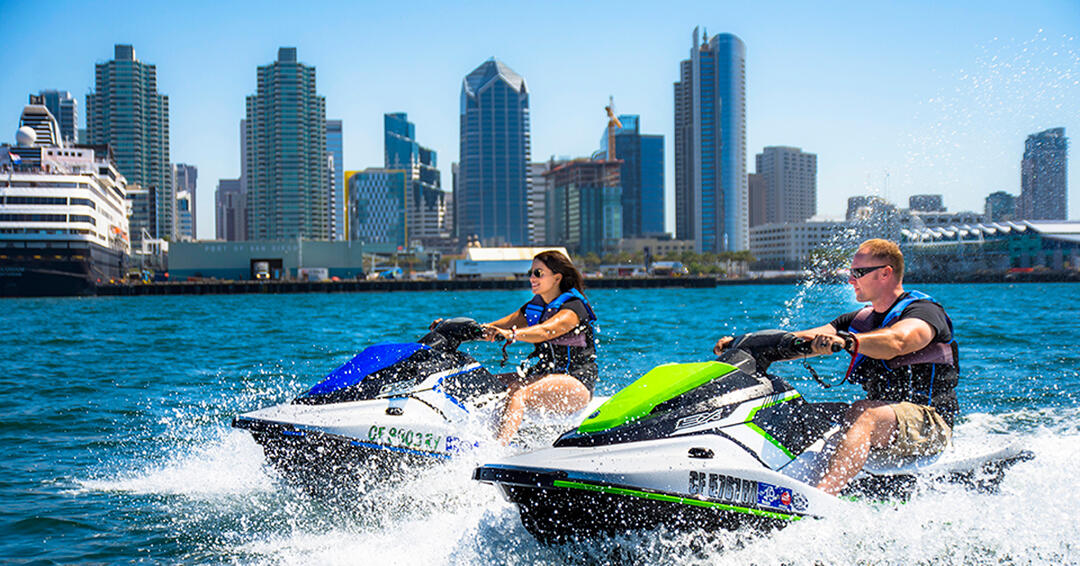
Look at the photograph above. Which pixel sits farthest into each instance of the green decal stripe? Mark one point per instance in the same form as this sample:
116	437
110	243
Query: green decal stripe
759	430
674	499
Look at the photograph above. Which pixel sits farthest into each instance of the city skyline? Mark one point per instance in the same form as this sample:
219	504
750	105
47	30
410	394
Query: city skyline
945	111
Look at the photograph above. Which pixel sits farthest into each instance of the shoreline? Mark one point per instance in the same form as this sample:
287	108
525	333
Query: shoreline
278	287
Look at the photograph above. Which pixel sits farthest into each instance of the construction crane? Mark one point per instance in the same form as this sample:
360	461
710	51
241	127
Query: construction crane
613	122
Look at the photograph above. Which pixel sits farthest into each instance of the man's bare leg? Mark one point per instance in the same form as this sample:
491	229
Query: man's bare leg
873	425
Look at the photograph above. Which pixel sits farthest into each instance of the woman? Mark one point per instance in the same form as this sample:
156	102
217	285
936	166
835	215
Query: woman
558	320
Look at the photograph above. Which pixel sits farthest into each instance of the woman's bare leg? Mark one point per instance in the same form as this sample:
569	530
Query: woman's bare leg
560	393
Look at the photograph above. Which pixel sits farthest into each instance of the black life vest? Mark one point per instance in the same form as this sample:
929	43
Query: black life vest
537	311
573	347
926	377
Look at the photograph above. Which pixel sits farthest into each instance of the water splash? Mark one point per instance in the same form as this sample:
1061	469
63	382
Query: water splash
974	128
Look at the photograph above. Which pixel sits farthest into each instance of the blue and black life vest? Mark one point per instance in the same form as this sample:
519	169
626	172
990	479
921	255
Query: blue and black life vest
927	376
537	311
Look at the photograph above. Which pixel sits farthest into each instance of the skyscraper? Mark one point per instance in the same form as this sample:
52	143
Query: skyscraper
126	112
64	108
231	211
336	199
426	208
789	176
1043	183
493	183
185	180
641	176
711	201
286	173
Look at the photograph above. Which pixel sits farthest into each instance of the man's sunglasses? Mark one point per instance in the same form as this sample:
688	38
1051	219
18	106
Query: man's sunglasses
860	272
537	273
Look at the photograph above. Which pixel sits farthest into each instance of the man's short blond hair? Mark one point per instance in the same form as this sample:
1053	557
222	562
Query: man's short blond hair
886	252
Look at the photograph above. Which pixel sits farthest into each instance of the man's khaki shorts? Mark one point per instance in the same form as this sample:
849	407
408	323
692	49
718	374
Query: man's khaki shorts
920	431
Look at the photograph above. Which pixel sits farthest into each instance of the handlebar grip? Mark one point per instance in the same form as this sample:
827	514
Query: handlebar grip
802	346
837	347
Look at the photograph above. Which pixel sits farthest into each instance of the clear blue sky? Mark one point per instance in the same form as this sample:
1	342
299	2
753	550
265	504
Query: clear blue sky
895	98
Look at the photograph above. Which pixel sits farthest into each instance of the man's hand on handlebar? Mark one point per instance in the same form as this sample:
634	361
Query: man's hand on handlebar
826	344
435	323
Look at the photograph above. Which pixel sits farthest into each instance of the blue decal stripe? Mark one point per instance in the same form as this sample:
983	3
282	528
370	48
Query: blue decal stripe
452	400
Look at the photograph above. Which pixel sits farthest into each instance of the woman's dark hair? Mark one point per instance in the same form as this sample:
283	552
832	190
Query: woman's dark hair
557	262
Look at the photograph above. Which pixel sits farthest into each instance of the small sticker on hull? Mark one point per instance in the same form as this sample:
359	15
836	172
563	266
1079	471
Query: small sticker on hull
745	493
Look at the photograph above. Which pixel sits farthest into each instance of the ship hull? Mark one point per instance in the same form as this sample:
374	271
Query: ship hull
58	272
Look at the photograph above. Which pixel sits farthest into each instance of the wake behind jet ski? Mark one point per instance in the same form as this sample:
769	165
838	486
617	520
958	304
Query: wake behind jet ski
721	443
390	407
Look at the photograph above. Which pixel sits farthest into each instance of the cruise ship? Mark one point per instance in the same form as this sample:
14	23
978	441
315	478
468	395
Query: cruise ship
63	213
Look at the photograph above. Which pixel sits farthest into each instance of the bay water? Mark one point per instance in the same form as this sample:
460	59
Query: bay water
115	412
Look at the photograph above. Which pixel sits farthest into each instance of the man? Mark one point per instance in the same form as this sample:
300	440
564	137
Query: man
905	358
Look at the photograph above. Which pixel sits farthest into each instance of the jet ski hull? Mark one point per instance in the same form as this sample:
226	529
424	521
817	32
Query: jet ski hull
325	447
557	510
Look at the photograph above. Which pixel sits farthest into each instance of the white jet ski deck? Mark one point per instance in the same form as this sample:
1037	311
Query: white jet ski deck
714	444
390	408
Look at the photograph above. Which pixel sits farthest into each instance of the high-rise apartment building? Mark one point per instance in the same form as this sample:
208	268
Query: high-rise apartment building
1043	182
789	176
126	112
426	206
584	206
286	171
64	108
378	206
185	180
336	159
231	212
711	201
641	177
492	187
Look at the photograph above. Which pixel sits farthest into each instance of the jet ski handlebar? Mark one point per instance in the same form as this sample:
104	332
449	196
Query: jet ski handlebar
768	346
449	333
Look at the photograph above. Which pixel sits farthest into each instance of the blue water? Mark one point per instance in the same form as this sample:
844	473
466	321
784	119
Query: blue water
115	414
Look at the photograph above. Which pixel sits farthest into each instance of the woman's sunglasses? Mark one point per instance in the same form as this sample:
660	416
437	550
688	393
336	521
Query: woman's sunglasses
860	272
537	273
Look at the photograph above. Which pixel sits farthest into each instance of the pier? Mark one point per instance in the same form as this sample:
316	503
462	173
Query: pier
354	286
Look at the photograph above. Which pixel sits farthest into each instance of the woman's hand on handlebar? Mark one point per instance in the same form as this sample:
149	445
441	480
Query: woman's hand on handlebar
722	344
494	333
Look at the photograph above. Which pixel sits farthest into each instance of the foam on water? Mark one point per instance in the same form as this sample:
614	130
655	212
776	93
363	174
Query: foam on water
441	516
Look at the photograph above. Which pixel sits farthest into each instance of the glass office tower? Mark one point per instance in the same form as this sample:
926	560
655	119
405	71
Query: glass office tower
491	191
711	201
426	206
642	178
